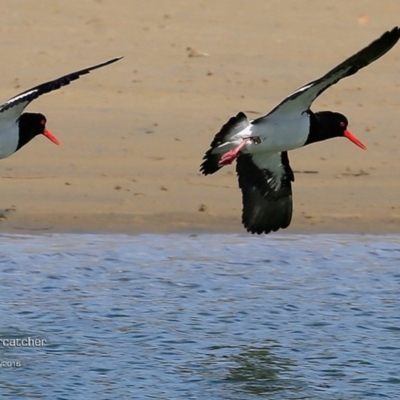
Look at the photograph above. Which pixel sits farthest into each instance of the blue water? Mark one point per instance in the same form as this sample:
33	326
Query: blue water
200	317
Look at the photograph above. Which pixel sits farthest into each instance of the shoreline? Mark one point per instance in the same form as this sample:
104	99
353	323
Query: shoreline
185	223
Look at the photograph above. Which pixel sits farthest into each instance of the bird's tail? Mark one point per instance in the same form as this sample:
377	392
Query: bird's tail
220	144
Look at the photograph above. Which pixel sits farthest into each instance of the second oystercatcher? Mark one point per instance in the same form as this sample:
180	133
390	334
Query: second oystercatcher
260	146
18	128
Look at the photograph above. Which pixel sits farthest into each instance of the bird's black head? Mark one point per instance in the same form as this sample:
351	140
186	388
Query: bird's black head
31	125
327	125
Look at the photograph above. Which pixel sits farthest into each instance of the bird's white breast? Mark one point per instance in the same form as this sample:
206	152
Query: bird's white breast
278	135
9	137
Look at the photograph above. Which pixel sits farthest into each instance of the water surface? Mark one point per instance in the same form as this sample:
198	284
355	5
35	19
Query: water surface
200	317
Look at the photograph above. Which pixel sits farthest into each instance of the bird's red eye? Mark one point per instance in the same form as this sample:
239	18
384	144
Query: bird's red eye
43	121
342	124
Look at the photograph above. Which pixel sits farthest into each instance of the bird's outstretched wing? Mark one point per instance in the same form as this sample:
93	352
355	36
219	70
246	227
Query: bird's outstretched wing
305	95
265	180
23	99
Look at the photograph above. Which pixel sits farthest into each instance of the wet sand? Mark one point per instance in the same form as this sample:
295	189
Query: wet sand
133	134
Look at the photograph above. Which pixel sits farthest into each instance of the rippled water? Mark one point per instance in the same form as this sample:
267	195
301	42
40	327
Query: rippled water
200	317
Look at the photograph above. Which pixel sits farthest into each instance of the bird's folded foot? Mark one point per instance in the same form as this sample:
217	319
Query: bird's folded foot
233	154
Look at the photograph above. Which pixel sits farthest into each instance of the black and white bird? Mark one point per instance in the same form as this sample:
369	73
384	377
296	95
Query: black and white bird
18	128
260	146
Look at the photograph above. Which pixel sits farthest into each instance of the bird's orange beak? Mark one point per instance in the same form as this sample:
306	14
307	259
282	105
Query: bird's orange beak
355	140
51	137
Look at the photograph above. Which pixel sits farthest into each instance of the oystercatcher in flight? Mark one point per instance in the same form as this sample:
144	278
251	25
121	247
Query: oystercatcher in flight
260	146
17	129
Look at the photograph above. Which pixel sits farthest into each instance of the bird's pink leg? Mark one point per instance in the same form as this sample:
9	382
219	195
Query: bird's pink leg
231	155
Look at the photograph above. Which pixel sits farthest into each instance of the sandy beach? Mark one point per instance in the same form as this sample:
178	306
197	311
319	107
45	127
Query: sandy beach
133	133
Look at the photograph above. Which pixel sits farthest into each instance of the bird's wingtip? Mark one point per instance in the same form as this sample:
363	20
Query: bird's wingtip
115	59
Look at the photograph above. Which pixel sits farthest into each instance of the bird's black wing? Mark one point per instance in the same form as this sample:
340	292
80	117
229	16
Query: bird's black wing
301	100
265	180
23	99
